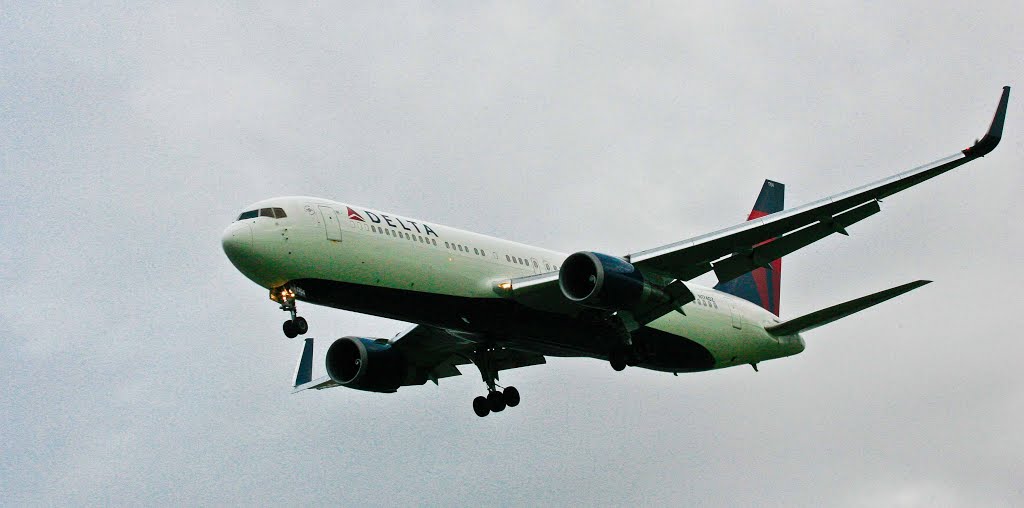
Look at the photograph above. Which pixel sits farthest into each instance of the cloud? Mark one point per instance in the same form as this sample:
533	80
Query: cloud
141	367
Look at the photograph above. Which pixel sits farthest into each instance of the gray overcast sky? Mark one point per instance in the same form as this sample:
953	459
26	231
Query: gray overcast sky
140	368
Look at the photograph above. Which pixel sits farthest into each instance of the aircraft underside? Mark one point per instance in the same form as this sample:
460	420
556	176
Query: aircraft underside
505	323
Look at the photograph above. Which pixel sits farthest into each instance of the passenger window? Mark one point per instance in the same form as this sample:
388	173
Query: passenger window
266	212
251	214
508	258
547	266
433	242
476	251
482	253
279	213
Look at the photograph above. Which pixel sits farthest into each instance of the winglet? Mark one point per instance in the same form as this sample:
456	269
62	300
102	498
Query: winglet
988	143
304	369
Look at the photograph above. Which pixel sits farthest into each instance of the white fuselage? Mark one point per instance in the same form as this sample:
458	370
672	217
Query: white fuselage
361	249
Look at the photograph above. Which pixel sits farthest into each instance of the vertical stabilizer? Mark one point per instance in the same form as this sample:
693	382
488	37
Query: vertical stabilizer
762	285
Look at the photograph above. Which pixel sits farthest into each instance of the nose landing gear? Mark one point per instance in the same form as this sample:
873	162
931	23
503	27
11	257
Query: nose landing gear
296	325
496	401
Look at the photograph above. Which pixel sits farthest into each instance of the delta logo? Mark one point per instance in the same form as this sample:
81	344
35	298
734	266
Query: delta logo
390	221
353	215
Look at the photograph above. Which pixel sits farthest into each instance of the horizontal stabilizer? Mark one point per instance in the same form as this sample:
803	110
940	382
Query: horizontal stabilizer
837	312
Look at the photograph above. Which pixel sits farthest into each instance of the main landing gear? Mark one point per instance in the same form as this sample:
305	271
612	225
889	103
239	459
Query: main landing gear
622	356
296	325
496	401
623	352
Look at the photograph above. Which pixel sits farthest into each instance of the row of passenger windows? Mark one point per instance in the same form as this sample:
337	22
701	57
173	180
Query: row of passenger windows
455	246
526	262
276	213
519	261
463	248
407	236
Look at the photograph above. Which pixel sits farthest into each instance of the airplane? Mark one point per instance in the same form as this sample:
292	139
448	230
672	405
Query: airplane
502	305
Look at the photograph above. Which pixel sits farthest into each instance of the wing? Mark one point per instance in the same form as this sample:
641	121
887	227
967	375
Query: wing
432	353
735	250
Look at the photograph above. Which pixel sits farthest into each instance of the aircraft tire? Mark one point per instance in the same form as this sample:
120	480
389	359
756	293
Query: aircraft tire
496	402
511	396
481	407
290	330
301	325
631	359
618	359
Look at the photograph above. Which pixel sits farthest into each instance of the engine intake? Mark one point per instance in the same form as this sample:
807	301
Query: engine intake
365	364
606	282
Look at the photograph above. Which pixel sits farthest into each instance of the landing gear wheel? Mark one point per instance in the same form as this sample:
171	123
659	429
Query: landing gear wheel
301	325
290	329
632	359
618	359
481	407
511	396
496	401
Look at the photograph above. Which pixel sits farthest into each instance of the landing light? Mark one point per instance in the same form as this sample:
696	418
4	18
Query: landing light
507	285
282	295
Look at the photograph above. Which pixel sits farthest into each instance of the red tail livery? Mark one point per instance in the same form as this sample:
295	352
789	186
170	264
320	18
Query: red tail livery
761	286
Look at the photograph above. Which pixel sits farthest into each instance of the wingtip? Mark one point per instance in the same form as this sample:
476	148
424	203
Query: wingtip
988	143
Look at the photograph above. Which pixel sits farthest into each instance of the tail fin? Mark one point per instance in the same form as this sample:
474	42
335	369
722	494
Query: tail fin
761	286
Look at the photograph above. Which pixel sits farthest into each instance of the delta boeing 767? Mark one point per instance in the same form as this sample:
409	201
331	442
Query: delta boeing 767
501	305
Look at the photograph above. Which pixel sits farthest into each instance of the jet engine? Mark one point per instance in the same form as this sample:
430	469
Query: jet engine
605	282
366	364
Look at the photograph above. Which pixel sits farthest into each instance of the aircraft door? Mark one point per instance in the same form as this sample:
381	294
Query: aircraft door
331	223
737	321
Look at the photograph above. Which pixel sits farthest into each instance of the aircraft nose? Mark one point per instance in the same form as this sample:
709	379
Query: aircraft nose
237	242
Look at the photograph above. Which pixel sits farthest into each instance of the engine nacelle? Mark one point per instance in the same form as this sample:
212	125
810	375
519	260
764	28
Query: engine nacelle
365	364
604	282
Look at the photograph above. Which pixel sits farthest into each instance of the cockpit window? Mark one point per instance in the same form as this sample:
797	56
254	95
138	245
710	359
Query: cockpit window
275	213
